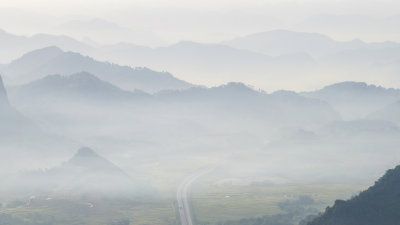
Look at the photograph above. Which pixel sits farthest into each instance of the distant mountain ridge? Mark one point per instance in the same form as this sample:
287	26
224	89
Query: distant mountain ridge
56	100
87	88
390	112
14	46
79	87
355	100
365	128
205	62
384	56
280	42
281	108
260	59
52	60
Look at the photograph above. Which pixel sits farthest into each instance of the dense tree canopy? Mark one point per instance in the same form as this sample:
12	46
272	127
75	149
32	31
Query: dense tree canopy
380	204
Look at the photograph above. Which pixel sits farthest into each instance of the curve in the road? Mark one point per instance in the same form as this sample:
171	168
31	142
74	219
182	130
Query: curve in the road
181	195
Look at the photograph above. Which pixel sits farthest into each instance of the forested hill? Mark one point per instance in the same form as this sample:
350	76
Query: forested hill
378	205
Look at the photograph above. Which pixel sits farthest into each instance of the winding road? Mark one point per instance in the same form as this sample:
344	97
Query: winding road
181	195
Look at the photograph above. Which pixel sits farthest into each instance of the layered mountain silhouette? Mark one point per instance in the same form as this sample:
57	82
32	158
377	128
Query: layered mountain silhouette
52	60
373	129
356	100
282	108
80	106
390	112
14	46
379	204
80	87
376	56
260	59
205	57
280	42
208	63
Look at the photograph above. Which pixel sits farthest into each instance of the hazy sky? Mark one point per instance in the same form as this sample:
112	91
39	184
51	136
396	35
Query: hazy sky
160	22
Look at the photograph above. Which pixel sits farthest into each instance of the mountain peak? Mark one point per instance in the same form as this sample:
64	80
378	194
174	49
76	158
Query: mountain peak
38	55
86	172
83	76
236	85
76	78
86	152
53	60
88	160
281	33
47	50
285	42
352	86
235	88
83	155
349	84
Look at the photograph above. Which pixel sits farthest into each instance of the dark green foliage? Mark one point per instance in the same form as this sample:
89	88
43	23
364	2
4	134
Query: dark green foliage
379	205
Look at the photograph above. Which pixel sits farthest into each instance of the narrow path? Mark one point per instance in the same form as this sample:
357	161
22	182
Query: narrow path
181	195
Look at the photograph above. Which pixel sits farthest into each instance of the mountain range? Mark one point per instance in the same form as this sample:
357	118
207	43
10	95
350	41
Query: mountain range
236	99
365	128
79	87
52	60
281	42
260	59
355	100
202	63
14	46
390	112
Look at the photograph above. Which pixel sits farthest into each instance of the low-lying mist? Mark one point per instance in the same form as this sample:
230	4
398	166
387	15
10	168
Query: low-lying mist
108	143
251	134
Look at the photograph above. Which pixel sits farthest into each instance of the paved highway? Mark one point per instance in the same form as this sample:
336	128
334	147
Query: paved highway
181	195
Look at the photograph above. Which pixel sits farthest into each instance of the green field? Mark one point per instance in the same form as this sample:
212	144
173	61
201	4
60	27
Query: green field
215	203
61	211
210	204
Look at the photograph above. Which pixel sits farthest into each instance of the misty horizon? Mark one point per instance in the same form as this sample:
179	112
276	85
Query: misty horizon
271	72
170	112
